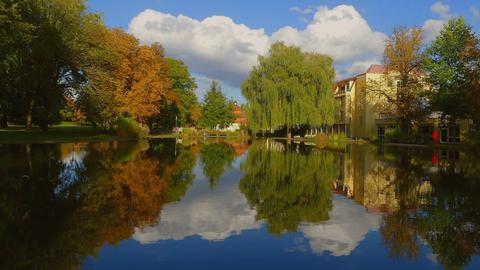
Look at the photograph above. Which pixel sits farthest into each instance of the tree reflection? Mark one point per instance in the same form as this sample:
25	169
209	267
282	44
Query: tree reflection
215	157
288	186
58	208
437	203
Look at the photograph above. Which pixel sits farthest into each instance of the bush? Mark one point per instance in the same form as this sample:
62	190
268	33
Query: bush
337	141
394	135
189	132
321	140
129	128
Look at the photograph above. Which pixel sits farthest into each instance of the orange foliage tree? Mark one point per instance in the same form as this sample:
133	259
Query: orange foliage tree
127	79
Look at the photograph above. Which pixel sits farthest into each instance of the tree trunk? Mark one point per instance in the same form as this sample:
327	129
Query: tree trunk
289	133
4	120
29	114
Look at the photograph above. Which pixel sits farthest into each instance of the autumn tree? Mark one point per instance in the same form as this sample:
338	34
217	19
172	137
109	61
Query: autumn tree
401	92
290	88
216	109
453	64
127	79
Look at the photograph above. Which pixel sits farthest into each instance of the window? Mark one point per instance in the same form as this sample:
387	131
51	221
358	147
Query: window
381	133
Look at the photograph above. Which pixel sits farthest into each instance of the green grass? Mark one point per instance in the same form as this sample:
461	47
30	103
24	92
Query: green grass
65	132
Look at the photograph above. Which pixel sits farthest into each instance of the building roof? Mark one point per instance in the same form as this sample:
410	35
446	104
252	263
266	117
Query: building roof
377	69
240	116
343	82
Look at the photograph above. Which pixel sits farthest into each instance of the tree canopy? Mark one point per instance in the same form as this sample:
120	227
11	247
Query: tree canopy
290	88
184	86
216	109
453	64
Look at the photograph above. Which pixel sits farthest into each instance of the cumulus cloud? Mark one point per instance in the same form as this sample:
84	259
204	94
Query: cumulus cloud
432	27
340	32
218	47
348	225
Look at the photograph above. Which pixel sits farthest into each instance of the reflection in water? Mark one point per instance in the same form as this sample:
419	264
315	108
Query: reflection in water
211	214
426	197
215	157
62	203
347	226
288	186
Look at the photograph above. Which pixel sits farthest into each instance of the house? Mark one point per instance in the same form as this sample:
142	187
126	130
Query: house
240	118
358	115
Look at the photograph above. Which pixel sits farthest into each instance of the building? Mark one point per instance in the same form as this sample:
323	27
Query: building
240	118
358	115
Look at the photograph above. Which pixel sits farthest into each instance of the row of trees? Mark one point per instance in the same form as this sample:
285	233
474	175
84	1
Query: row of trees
443	76
56	54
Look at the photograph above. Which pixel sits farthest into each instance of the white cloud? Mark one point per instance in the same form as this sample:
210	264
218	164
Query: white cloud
432	27
307	10
475	13
348	225
340	32
217	47
441	9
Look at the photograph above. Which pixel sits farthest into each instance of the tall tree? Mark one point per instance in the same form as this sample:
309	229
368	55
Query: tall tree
126	79
16	35
401	92
453	63
217	109
290	88
184	86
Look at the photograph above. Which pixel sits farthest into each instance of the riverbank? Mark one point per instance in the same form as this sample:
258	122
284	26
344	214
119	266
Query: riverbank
56	134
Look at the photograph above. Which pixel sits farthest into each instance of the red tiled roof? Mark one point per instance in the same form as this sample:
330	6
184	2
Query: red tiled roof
240	116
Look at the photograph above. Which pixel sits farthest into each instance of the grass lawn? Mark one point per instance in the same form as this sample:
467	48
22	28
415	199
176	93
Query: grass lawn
65	132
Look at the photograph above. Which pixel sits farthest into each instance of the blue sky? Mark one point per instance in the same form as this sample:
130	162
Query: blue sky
221	39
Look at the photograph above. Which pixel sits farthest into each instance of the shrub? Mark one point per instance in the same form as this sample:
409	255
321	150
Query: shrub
321	140
129	128
337	141
393	135
189	132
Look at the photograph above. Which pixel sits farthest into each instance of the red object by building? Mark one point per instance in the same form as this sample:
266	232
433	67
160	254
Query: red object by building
435	136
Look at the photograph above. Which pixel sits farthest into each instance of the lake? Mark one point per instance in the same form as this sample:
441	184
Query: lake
266	204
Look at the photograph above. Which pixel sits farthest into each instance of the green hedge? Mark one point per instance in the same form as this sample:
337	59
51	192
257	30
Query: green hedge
129	128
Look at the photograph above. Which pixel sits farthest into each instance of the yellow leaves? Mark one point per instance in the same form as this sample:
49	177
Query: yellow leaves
139	78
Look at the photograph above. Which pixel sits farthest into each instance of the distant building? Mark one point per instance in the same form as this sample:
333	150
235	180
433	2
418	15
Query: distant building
358	116
240	118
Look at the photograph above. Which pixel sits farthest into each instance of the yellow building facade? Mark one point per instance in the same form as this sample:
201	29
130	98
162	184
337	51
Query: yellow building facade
359	105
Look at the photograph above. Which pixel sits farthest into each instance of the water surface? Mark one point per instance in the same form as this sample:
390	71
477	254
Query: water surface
237	205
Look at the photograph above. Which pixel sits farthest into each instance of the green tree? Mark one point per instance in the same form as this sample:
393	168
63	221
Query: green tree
290	88
48	61
452	59
216	108
184	86
16	35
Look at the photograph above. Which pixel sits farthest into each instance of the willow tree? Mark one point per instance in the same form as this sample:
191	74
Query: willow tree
290	88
